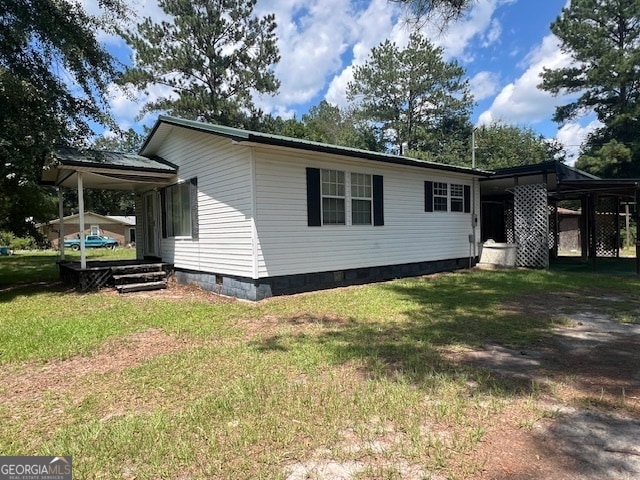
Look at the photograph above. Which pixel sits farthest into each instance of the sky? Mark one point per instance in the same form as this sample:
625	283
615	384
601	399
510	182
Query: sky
502	44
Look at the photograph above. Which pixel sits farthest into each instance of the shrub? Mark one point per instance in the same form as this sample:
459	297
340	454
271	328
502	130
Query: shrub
8	239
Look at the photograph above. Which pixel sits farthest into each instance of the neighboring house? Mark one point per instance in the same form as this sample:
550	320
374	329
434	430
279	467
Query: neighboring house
254	215
122	228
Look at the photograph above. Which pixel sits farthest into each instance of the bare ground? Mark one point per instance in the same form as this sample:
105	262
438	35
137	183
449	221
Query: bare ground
590	368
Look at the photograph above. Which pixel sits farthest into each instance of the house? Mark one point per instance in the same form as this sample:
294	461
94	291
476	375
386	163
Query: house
253	215
122	228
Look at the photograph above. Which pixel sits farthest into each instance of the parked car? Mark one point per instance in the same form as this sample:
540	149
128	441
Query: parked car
91	241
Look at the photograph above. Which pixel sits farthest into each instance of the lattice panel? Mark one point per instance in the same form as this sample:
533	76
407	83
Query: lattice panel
552	226
531	219
607	223
510	233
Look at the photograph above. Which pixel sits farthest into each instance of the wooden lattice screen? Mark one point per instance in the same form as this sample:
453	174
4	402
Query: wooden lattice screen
607	224
531	220
553	226
509	223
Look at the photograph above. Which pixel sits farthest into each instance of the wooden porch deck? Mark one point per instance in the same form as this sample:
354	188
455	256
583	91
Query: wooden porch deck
125	275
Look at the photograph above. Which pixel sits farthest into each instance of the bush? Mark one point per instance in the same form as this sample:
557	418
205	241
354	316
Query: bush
8	239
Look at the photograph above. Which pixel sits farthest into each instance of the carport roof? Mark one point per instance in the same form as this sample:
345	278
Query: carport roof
106	170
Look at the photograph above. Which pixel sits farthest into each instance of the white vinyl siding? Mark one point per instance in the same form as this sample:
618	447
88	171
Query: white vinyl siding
225	203
287	245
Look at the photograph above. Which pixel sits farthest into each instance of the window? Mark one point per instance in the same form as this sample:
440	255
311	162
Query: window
440	196
95	229
333	197
179	210
361	199
336	197
457	197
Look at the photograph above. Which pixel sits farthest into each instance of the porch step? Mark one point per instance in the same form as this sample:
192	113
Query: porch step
130	269
140	287
139	277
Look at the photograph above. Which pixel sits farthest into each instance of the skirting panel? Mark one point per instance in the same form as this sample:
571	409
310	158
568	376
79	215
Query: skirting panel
249	289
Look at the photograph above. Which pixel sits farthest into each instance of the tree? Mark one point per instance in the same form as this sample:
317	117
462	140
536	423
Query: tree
214	56
500	146
413	95
422	10
612	160
603	39
54	76
326	123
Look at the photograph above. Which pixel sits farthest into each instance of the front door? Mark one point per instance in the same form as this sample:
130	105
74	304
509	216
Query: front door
150	225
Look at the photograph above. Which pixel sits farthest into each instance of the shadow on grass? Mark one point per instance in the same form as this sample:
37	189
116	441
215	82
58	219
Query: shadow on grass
441	315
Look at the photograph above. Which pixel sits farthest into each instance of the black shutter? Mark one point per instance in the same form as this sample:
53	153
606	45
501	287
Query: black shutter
195	229
163	211
467	199
378	201
428	196
313	197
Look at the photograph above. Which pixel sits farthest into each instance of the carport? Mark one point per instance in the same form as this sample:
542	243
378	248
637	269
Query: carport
520	206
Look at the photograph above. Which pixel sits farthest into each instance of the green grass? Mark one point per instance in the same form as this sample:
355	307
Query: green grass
349	375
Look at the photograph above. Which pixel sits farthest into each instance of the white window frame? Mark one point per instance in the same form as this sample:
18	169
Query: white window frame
438	189
354	187
180	205
339	194
458	198
349	188
95	230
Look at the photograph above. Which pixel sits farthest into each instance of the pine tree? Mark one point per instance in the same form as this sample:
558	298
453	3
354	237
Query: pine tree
412	94
603	39
214	55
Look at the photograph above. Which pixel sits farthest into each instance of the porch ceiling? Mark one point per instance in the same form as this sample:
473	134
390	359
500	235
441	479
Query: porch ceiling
107	170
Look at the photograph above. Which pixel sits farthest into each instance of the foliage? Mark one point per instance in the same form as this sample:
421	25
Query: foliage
612	160
128	141
214	56
603	39
8	239
500	146
54	76
412	95
446	11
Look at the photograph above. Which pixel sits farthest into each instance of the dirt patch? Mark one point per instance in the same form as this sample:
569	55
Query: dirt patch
588	373
28	382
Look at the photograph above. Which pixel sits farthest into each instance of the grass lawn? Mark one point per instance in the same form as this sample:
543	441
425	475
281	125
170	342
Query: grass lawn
359	378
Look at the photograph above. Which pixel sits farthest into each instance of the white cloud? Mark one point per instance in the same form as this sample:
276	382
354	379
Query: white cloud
375	24
483	85
573	135
479	22
521	101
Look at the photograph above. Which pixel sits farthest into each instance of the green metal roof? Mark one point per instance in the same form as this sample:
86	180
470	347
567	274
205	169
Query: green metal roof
70	156
278	140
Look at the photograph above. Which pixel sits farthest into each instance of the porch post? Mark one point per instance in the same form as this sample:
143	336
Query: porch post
83	251
61	231
637	230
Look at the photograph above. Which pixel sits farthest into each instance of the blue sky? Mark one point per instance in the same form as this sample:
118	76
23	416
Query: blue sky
502	44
